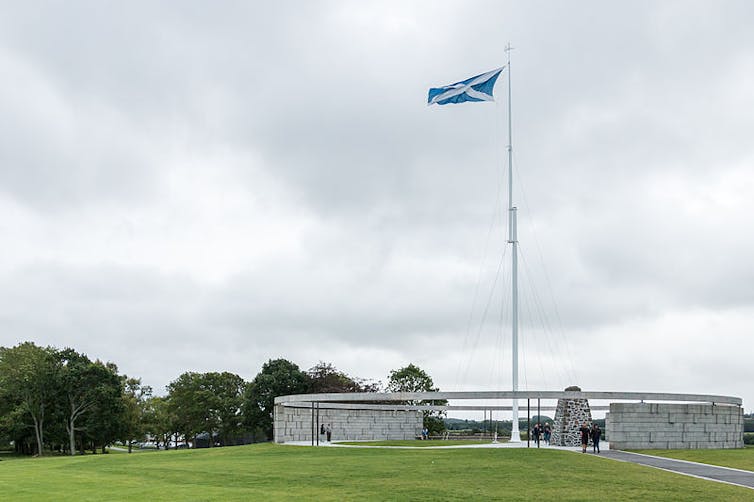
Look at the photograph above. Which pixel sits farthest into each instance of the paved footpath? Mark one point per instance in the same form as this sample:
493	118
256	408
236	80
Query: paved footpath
704	471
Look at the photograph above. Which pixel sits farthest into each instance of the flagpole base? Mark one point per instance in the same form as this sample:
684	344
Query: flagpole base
515	435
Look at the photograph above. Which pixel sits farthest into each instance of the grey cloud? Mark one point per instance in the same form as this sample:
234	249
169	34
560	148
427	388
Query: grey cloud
627	120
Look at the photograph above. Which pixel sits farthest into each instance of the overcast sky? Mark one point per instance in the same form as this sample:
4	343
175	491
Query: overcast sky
203	186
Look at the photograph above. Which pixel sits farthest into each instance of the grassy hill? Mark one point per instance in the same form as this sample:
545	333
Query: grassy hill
277	472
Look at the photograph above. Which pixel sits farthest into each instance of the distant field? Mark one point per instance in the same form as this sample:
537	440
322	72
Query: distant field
737	459
277	472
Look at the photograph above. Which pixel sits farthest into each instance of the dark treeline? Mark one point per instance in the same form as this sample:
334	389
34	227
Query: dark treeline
54	400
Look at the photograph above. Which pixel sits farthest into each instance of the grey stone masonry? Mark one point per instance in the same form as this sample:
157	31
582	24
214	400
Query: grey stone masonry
295	424
569	415
635	426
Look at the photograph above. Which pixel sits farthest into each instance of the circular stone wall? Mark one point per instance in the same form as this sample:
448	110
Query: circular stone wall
679	420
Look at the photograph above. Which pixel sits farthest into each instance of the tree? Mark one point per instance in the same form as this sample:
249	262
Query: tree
158	420
278	377
135	396
414	379
62	393
227	392
187	399
28	383
207	402
76	382
324	378
88	386
105	421
410	379
15	429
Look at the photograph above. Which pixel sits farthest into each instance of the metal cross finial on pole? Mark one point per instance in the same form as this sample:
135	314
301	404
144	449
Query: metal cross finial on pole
513	240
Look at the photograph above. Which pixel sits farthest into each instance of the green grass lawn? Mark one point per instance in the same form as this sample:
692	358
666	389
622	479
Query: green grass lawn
738	459
276	472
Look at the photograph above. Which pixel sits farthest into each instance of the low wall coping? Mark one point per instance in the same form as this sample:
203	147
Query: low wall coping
406	407
436	396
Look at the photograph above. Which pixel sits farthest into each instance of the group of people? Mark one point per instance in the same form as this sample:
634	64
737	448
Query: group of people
540	432
594	432
326	431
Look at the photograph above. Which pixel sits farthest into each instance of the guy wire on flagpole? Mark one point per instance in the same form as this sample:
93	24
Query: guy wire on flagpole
513	240
475	89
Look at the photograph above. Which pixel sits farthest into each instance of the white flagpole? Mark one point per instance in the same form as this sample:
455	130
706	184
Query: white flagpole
513	240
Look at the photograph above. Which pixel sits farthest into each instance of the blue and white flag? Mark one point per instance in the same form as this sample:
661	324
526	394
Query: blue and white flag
477	88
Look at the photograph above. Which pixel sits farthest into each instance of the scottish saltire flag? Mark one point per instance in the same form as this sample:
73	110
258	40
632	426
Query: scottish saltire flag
477	88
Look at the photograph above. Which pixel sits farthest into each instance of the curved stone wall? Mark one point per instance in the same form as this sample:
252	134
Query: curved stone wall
636	426
295	424
716	421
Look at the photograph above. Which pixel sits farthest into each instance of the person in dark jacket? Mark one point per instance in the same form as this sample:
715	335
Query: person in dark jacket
584	437
548	433
596	436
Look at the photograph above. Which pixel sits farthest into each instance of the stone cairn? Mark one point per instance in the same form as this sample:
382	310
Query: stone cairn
569	415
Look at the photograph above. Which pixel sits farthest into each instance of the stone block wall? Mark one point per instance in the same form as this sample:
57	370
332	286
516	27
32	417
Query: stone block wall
634	426
295	424
570	414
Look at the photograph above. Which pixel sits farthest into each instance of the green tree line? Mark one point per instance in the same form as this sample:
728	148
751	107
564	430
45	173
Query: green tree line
59	400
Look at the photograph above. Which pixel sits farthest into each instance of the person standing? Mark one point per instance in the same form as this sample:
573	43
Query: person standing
584	436
537	433
548	433
596	436
328	431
